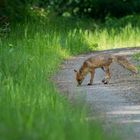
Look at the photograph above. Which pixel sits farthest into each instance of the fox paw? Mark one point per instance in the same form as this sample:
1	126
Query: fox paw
105	81
89	84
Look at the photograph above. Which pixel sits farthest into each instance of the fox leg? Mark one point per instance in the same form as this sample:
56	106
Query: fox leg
107	75
103	69
92	77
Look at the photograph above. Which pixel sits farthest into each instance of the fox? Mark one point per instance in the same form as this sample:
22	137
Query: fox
102	61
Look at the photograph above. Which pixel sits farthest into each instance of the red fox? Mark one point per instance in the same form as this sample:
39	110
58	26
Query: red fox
102	61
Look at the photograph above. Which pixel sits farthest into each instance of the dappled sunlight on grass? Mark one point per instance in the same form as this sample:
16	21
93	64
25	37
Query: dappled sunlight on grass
109	39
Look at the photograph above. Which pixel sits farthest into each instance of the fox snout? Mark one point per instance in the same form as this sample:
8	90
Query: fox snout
79	78
79	83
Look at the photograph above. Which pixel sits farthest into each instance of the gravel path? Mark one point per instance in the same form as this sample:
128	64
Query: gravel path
117	103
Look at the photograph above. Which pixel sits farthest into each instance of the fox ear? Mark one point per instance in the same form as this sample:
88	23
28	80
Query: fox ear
88	63
75	70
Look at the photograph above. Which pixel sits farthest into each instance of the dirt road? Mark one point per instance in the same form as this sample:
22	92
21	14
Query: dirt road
116	104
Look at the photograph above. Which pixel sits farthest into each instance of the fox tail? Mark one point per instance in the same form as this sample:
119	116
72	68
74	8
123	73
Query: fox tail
122	60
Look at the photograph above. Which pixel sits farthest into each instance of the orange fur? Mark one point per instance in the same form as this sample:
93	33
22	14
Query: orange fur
102	61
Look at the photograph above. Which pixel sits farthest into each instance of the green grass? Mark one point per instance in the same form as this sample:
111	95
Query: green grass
30	105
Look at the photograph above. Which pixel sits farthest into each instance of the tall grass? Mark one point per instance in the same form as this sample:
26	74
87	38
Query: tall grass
30	105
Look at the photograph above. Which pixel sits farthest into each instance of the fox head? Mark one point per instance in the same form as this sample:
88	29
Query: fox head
79	77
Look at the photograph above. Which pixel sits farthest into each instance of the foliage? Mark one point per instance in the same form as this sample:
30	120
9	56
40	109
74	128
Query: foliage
93	8
16	9
99	9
